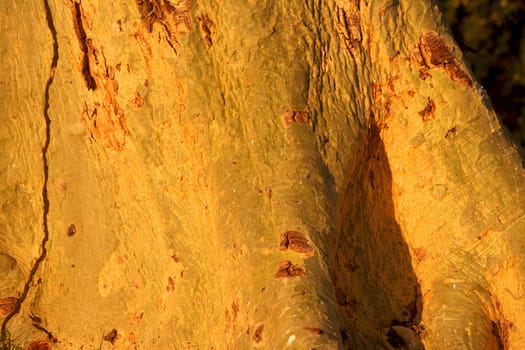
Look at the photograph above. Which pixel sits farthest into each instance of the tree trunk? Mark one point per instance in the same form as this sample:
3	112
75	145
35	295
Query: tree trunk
186	174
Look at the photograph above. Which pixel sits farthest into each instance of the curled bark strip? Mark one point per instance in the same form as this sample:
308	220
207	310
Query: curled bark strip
286	269
296	241
436	54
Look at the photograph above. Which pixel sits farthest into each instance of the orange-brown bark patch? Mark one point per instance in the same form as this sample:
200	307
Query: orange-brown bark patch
429	110
299	117
296	241
436	54
287	269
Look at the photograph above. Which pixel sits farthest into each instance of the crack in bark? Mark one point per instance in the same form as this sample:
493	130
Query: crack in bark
45	197
86	46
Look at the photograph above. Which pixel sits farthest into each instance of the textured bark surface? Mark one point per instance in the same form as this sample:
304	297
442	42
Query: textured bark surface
252	174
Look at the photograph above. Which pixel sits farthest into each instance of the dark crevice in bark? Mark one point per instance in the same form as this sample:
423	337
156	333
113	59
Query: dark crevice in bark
45	161
375	284
83	41
37	324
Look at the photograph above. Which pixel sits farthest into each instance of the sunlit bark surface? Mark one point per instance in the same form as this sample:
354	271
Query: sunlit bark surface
187	174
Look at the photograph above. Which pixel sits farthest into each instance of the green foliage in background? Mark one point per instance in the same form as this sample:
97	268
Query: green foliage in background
492	36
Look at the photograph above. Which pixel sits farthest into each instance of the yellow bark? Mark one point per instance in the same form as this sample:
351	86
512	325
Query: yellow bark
252	174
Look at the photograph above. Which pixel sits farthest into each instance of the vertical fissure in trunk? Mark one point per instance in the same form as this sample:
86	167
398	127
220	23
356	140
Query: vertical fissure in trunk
45	196
84	46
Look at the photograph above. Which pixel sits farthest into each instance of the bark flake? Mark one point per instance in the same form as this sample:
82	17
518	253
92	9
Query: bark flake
258	334
299	117
286	269
111	336
296	241
72	230
429	111
435	53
